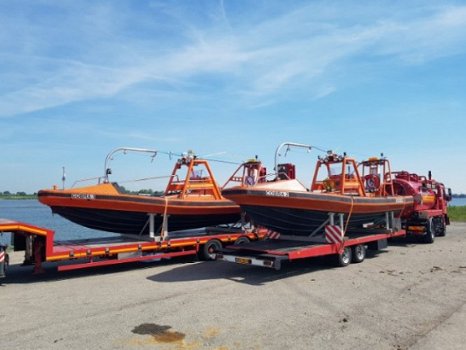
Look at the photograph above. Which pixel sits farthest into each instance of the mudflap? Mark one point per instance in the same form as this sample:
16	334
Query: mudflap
378	245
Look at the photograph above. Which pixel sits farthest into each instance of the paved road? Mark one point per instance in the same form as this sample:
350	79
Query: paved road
410	296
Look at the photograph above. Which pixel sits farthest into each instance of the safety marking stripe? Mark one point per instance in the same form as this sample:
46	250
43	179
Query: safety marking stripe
333	234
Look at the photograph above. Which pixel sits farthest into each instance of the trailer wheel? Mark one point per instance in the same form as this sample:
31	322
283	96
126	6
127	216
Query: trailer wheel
344	258
242	240
209	249
429	237
358	253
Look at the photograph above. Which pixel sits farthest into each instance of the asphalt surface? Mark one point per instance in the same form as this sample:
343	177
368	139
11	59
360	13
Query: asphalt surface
409	296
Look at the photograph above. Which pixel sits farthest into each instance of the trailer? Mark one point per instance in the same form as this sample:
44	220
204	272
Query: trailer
273	253
40	246
332	240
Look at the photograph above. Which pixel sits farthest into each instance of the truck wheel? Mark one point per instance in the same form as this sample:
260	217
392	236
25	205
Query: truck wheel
358	253
442	227
241	240
210	248
344	258
429	237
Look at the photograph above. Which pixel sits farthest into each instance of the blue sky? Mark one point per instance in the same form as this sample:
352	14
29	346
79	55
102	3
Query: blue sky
229	78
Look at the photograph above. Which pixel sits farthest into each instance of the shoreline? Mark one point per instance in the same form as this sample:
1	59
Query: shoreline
18	197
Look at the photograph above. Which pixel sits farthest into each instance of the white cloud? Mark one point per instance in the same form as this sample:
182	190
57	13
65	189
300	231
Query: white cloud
259	60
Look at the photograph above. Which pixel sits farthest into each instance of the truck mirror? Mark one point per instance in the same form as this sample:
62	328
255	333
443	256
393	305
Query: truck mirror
449	195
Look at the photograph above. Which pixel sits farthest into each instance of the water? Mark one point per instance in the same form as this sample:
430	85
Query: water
457	202
35	213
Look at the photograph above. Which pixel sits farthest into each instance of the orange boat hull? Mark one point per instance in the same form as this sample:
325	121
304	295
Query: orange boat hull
104	209
301	213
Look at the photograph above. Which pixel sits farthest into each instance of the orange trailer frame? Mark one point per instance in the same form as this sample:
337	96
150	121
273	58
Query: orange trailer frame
121	249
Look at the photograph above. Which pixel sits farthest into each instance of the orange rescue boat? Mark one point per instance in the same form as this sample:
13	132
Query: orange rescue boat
194	201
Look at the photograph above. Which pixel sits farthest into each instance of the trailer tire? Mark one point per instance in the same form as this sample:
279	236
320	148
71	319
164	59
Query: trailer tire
429	237
358	253
208	250
242	240
344	259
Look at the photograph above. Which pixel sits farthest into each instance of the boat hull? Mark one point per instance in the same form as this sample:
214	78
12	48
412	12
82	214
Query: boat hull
301	213
129	214
136	223
300	222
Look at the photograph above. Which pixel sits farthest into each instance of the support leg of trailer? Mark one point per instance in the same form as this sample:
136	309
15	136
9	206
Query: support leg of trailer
341	217
318	229
387	220
28	251
38	247
332	218
164	233
151	226
243	220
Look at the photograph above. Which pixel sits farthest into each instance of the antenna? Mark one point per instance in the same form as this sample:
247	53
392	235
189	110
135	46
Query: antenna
63	177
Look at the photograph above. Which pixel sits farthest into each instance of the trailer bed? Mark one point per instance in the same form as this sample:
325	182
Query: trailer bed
40	245
273	252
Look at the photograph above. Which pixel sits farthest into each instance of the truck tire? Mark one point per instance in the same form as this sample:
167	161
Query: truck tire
208	250
343	259
358	253
429	236
442	227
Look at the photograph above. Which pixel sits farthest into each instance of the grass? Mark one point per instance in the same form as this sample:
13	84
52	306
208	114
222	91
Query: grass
457	213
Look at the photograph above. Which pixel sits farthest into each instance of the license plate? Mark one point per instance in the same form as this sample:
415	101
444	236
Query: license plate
245	261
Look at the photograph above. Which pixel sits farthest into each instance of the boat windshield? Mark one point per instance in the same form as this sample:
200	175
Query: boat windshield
334	169
337	174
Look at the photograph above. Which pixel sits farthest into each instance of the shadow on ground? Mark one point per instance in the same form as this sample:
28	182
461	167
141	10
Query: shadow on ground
183	269
23	274
252	275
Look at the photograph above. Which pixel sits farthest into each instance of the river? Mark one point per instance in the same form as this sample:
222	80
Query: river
35	213
457	202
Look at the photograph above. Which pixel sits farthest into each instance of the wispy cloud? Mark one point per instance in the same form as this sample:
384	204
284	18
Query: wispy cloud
259	59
